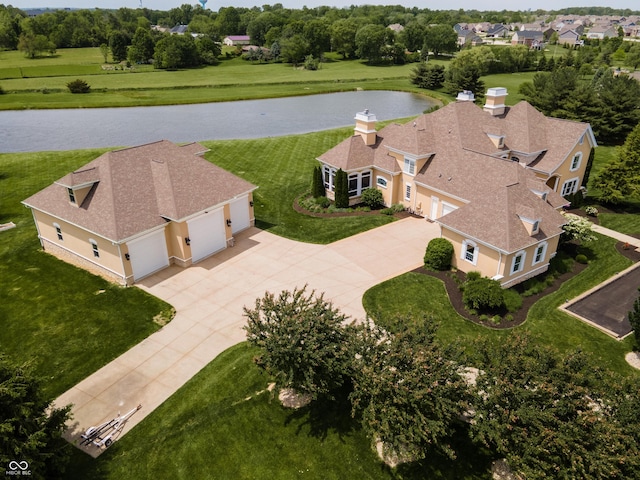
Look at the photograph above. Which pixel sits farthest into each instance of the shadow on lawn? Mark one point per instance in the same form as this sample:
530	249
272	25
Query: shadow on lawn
326	415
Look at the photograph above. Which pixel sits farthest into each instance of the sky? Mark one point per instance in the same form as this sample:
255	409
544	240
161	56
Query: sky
432	5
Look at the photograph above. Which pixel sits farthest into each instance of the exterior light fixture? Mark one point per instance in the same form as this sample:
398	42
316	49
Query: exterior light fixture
228	222
187	240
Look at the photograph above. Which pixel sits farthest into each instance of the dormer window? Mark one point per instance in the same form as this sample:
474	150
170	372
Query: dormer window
535	227
72	195
498	140
409	166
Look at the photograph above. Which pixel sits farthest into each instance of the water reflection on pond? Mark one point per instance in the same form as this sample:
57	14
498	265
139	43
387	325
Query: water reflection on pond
67	129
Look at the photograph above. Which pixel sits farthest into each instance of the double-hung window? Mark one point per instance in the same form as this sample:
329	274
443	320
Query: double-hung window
58	231
94	246
569	187
575	163
470	251
409	166
517	265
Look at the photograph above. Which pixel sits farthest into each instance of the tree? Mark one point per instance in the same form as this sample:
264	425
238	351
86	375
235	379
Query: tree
104	50
317	188
413	36
441	39
369	42
634	319
118	43
632	59
142	47
208	50
316	33
303	340
550	416
576	229
30	429
621	178
78	86
410	393
341	198
34	45
228	21
343	37
176	51
293	49
428	75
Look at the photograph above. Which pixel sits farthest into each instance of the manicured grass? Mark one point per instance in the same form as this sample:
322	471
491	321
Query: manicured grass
223	424
282	168
41	82
418	295
510	81
628	223
65	321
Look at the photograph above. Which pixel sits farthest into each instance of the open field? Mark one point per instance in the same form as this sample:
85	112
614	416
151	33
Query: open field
41	82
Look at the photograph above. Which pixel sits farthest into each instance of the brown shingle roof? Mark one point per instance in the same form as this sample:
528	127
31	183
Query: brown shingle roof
139	188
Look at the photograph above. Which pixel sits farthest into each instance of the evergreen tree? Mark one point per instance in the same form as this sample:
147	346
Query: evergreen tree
317	186
341	189
621	178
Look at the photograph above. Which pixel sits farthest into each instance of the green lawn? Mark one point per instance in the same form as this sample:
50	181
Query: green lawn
41	82
282	167
416	295
65	321
223	425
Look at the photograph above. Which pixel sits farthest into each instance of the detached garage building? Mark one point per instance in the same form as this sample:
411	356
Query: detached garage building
132	212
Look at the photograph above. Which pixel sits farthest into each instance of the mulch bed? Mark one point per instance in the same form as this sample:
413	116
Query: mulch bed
455	295
304	211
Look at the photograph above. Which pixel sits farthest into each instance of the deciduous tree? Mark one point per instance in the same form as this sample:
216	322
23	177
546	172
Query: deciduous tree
303	340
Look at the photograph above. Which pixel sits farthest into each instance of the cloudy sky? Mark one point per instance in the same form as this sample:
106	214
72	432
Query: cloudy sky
433	5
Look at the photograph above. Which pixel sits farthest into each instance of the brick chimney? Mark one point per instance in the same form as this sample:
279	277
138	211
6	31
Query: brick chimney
366	126
494	103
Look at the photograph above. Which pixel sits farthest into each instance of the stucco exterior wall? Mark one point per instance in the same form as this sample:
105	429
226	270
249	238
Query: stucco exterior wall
76	248
178	250
488	261
529	270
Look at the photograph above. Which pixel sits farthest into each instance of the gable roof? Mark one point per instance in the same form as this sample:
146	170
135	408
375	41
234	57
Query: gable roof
135	190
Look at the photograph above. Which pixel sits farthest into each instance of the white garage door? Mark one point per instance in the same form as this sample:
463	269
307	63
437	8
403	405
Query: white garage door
446	208
240	219
148	254
206	234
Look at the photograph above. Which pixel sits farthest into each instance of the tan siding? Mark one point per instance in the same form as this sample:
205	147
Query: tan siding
488	259
76	240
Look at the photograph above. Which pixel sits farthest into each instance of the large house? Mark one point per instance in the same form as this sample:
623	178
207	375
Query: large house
132	212
493	178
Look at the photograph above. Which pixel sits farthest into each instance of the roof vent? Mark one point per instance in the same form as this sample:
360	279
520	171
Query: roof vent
465	96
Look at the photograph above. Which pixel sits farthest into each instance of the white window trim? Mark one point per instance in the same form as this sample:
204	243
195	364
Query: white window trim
465	244
521	253
409	165
573	189
381	182
94	248
58	231
543	255
358	177
578	156
407	191
329	185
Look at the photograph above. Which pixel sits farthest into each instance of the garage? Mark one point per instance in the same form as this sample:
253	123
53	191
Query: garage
207	235
240	219
148	254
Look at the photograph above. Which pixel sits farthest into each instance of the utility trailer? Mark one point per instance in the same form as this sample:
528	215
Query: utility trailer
103	435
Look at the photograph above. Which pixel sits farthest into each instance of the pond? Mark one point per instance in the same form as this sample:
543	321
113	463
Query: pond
70	129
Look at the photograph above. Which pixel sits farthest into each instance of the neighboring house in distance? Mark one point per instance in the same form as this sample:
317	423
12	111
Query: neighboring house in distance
530	38
396	27
236	40
465	37
569	37
179	30
491	177
601	32
132	212
498	30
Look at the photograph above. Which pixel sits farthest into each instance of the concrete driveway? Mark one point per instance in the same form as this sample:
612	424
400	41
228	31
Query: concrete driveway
209	298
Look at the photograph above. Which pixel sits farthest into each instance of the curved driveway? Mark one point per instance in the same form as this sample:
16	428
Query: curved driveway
209	298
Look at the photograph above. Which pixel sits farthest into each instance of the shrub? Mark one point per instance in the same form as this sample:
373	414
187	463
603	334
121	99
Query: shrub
395	208
323	202
591	211
483	294
1	91
474	275
580	258
372	198
438	254
341	189
512	300
78	86
317	186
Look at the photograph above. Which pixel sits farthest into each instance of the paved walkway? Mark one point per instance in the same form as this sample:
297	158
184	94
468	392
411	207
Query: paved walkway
209	298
